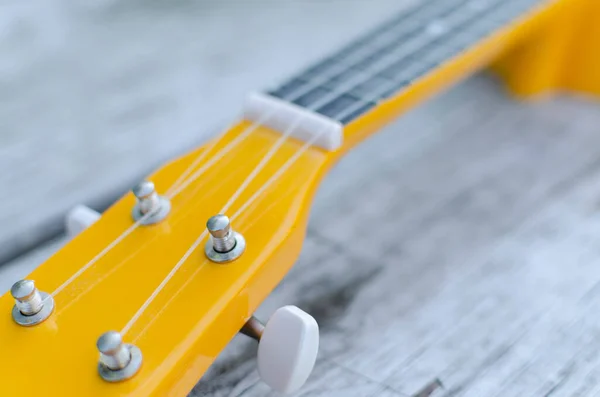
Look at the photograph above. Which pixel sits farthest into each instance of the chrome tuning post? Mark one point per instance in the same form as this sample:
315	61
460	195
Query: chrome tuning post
118	361
150	207
31	306
225	244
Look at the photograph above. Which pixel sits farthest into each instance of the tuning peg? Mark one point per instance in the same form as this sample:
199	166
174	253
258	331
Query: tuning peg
287	347
225	244
79	219
118	361
150	207
31	306
253	328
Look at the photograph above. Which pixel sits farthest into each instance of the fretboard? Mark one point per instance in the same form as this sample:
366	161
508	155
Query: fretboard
390	58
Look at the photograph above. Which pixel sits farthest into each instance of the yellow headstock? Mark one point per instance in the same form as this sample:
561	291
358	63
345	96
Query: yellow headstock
155	284
200	308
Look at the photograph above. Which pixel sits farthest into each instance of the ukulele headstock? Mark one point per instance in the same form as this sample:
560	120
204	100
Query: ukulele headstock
176	297
111	277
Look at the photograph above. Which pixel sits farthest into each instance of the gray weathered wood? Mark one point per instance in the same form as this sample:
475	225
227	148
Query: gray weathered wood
456	252
97	94
481	273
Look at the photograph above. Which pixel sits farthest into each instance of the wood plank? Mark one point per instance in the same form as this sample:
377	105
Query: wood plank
481	269
472	236
96	95
459	248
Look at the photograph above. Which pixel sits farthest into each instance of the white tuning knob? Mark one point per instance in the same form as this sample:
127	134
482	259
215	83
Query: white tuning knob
79	219
288	348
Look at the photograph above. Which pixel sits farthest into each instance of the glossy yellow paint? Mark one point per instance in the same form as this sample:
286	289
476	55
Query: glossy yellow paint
562	55
486	53
202	308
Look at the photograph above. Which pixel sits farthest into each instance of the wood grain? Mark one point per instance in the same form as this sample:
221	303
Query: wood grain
454	254
455	249
95	95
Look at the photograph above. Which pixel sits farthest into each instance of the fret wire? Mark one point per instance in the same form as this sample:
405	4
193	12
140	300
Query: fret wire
416	28
389	31
515	11
444	49
439	54
416	24
392	24
367	74
463	29
485	26
493	21
407	48
448	51
458	27
364	89
482	26
390	40
310	85
415	45
376	96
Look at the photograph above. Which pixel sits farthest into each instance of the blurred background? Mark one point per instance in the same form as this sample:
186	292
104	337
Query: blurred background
483	277
98	93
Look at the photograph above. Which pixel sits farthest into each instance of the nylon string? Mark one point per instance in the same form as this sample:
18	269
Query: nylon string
384	62
360	77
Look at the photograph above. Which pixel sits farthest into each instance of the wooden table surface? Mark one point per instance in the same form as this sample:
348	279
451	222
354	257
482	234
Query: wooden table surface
96	94
454	254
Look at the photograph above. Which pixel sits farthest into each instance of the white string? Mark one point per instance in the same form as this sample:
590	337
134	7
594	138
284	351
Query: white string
202	236
171	299
163	283
359	78
217	157
134	226
95	259
333	71
265	186
196	243
174	193
175	189
200	157
116	267
276	175
272	151
129	230
193	275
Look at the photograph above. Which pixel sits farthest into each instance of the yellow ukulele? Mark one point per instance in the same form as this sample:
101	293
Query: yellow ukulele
144	298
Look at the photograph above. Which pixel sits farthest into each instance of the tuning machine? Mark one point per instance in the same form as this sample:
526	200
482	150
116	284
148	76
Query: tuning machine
287	347
225	244
31	306
150	207
118	361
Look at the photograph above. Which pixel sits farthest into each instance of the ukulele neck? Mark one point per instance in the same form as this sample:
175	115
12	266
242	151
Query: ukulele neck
374	78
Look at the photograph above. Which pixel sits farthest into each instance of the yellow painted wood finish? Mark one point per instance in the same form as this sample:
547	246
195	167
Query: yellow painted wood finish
562	55
205	304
